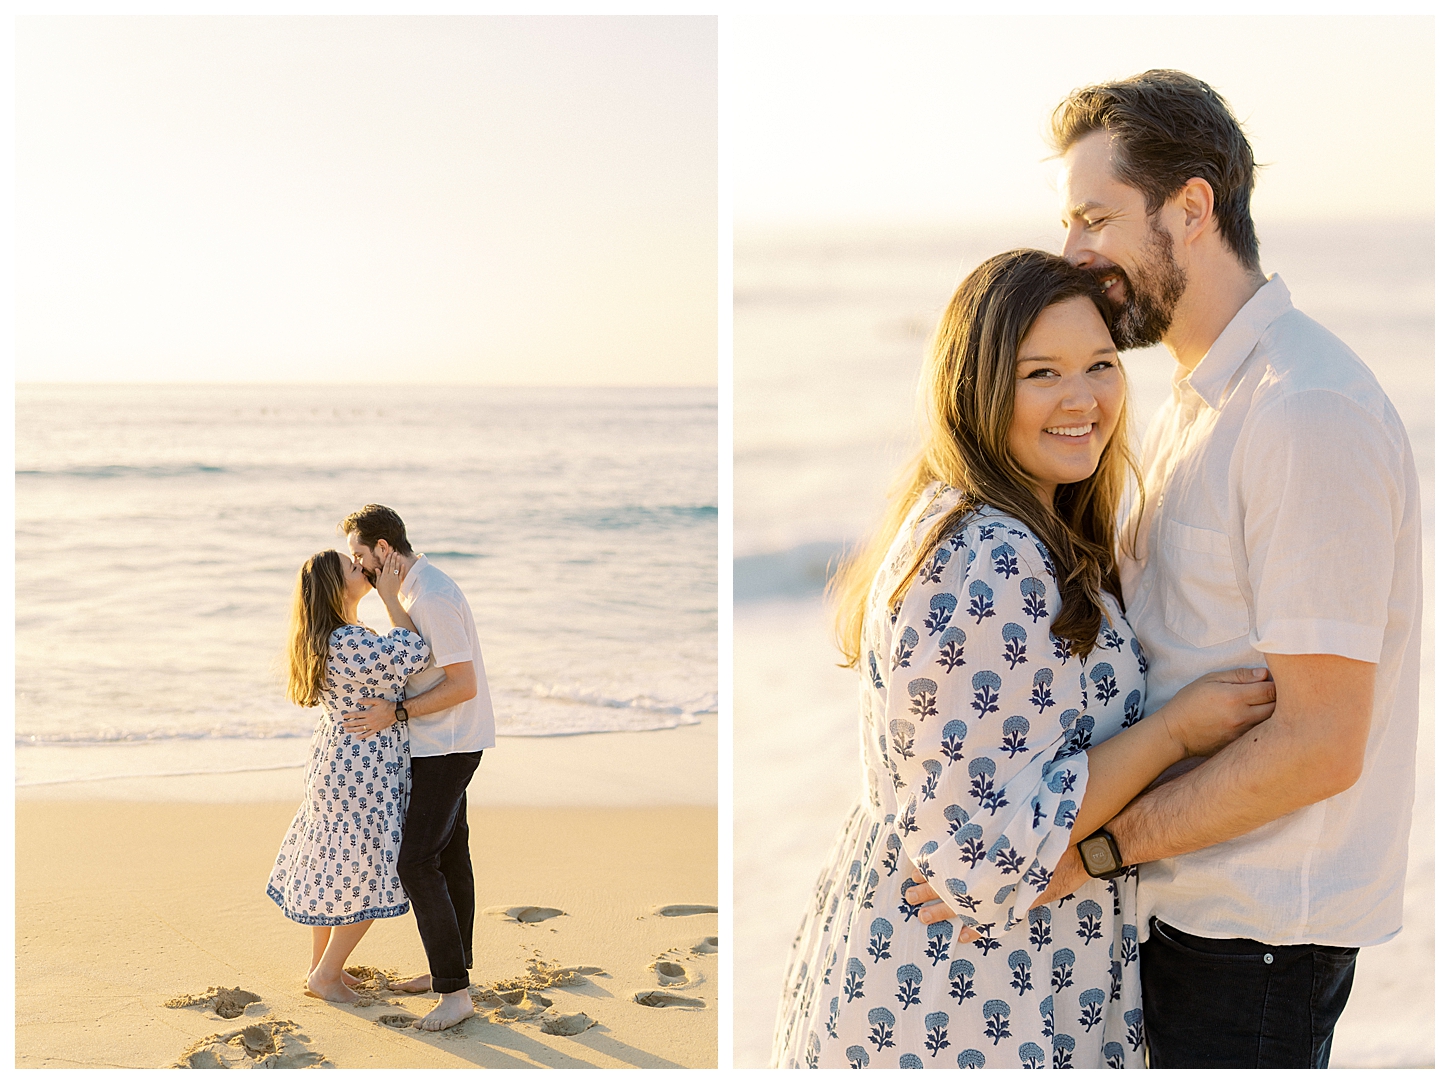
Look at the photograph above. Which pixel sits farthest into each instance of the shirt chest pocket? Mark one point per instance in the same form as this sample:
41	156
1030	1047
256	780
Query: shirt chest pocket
1202	601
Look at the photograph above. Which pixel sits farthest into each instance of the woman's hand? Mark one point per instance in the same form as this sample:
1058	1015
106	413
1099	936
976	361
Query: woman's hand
1207	714
390	579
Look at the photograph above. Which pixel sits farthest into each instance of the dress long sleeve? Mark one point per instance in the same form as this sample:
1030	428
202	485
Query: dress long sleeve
989	722
404	652
364	663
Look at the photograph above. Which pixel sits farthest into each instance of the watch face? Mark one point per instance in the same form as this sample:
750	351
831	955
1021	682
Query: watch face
1097	856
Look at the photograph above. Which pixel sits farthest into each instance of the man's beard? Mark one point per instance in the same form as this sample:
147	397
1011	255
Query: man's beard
1144	318
372	577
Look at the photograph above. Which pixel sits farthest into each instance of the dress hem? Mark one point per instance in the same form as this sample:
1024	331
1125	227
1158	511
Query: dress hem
329	920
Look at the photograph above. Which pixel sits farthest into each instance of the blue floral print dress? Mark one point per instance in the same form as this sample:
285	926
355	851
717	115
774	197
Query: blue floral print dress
339	860
975	725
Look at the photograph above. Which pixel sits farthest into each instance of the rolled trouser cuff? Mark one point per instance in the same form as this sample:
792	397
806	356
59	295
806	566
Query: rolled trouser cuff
448	986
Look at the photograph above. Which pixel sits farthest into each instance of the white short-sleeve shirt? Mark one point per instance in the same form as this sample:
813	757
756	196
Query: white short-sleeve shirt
444	619
1283	517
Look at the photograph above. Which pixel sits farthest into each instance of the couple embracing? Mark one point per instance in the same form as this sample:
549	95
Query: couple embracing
1136	787
384	817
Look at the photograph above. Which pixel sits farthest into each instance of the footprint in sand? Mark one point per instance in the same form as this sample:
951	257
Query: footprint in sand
509	1001
707	947
228	1002
398	1020
659	999
577	1024
271	1044
681	910
529	1008
511	1006
671	969
529	915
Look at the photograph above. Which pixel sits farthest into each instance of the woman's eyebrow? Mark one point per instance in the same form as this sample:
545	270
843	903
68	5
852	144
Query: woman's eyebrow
1058	357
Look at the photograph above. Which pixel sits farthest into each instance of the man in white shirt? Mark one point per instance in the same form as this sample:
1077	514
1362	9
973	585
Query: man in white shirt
450	723
1281	528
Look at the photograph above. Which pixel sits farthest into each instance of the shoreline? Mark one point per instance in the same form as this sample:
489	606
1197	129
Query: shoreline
160	901
669	767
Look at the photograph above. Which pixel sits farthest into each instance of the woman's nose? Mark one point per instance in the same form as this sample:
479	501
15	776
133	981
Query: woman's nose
1077	396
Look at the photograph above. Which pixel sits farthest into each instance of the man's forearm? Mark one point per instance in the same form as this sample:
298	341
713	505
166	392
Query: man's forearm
448	692
1311	749
1257	779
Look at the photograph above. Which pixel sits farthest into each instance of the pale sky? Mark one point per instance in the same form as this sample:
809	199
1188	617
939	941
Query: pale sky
480	199
936	118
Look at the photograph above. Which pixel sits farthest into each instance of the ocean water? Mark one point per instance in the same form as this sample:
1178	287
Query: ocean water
159	529
830	330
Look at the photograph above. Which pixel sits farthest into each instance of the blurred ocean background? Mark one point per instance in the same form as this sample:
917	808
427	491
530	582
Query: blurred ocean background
159	529
830	330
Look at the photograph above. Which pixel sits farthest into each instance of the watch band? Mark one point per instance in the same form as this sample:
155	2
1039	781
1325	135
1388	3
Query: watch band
1100	855
400	712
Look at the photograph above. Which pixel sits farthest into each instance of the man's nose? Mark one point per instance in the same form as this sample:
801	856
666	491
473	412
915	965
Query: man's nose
1075	248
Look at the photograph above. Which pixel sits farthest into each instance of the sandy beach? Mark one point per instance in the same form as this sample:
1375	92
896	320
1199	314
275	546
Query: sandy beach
596	911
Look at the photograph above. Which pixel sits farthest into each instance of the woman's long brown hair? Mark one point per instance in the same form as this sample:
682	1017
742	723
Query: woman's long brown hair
969	386
317	609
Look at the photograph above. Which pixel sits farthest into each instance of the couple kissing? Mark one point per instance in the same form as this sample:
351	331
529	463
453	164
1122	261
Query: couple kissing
383	822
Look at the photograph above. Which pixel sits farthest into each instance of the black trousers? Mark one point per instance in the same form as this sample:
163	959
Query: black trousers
435	867
1235	1003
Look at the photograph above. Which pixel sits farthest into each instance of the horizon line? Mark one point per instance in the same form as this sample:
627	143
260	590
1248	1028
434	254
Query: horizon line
980	224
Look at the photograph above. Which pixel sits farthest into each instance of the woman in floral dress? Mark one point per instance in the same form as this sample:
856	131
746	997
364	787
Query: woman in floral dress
1001	714
337	869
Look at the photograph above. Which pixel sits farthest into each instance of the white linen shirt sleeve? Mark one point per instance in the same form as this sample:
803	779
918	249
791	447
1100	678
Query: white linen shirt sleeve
988	737
441	622
1323	501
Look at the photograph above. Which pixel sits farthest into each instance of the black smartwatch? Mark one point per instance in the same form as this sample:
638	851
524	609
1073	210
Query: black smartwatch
400	713
1100	855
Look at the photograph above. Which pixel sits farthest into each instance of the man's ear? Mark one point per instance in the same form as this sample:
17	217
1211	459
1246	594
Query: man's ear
383	549
1196	201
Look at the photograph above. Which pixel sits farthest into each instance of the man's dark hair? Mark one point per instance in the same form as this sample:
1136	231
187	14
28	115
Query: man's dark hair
1165	128
374	522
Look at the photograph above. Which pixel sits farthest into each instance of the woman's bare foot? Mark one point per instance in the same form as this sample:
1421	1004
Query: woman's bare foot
348	979
335	991
452	1008
418	984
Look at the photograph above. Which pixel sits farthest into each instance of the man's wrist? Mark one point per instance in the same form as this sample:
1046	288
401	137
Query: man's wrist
1099	855
1122	829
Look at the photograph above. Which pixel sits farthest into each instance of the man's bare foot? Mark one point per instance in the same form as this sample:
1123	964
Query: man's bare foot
452	1008
418	984
335	991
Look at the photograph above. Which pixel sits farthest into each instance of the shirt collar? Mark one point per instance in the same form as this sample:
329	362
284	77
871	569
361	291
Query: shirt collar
410	581
1211	377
